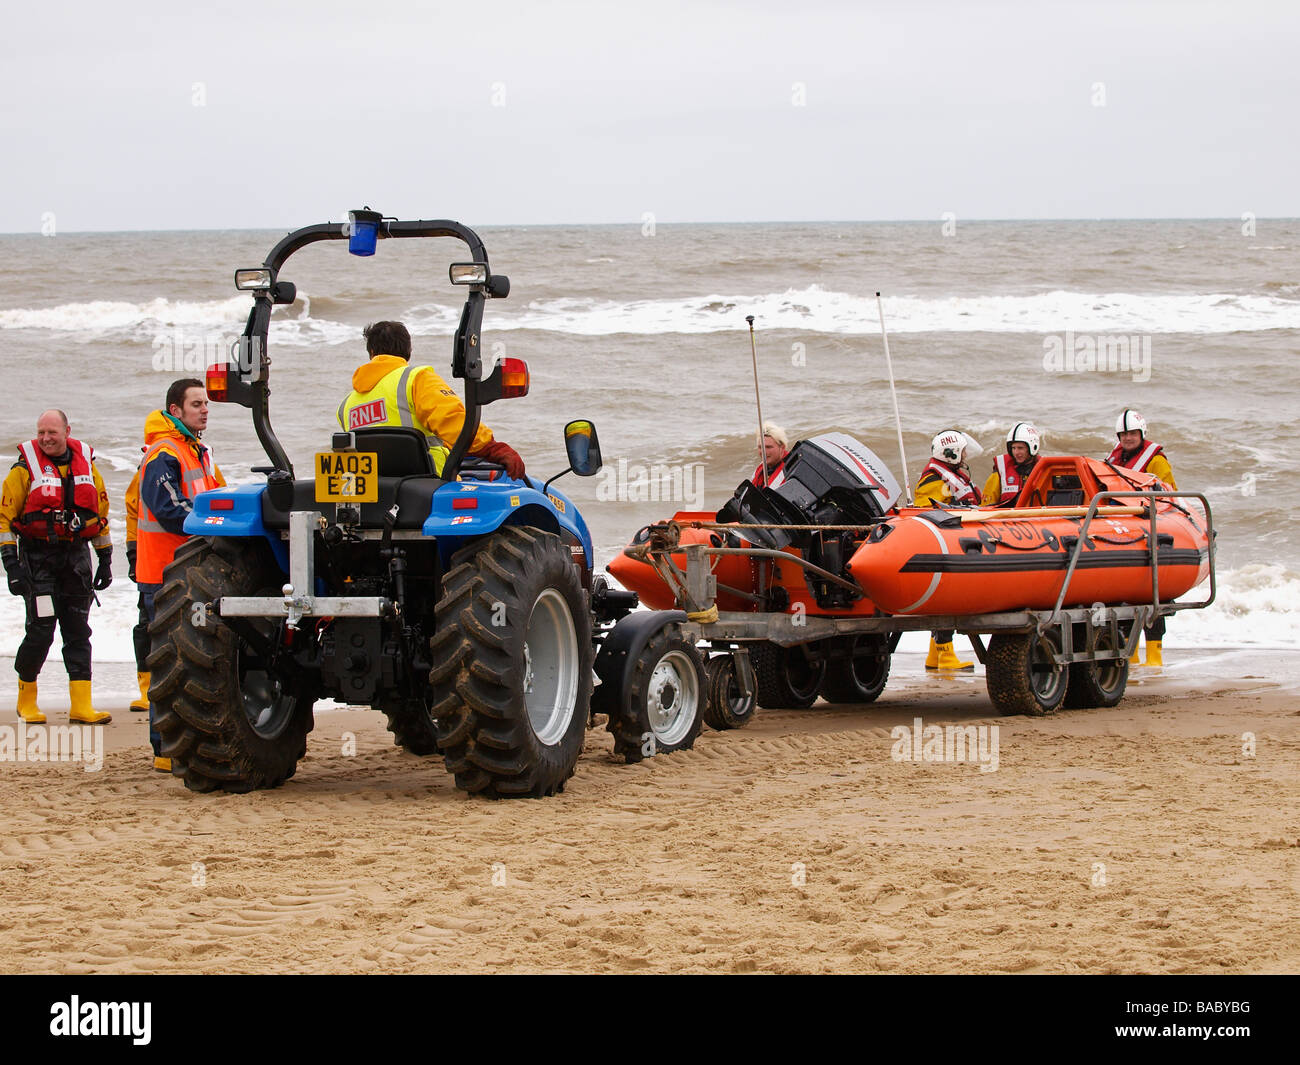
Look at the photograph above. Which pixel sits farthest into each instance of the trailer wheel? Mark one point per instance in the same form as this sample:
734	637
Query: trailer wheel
788	677
726	708
1098	684
661	709
511	674
227	718
860	676
1021	675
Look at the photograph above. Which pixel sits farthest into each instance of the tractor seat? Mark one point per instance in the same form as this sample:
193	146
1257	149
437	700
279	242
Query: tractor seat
406	477
402	452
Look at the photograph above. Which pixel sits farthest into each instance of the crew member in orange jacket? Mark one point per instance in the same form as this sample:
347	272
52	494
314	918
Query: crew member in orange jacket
140	633
177	466
54	503
388	391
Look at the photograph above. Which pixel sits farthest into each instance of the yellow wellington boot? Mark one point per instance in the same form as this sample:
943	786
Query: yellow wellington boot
141	705
932	659
1135	659
27	708
948	658
82	712
163	765
1154	657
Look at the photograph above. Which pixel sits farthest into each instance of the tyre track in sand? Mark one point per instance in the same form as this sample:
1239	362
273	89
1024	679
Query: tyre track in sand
798	844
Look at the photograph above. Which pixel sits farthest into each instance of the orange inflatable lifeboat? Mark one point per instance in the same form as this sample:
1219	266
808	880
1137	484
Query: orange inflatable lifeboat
830	480
737	575
973	561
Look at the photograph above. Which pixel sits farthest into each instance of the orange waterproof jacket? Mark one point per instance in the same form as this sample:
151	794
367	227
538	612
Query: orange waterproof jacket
156	545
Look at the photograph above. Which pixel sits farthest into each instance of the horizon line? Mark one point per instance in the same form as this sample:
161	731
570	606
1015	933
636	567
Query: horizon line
638	223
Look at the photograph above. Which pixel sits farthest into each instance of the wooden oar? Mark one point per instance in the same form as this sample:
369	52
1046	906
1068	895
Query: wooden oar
1048	512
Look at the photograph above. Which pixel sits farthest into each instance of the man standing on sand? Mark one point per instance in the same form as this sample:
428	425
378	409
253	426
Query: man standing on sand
176	467
53	502
1134	451
140	633
388	391
946	482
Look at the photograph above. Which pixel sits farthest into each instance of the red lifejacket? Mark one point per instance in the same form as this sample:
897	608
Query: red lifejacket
1141	459
963	492
1010	478
48	513
776	477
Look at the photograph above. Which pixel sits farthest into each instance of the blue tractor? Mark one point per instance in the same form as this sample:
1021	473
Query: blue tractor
461	604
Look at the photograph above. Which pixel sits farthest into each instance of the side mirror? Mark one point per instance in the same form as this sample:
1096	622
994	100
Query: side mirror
583	447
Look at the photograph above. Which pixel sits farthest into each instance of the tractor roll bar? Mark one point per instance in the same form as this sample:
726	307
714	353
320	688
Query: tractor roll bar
467	360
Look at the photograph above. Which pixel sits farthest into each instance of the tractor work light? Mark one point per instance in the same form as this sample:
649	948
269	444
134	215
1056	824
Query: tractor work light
468	273
363	231
256	280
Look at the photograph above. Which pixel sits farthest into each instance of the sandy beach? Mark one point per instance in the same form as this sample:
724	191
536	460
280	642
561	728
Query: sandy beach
1146	838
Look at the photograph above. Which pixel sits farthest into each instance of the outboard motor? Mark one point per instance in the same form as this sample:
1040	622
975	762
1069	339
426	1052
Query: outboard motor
831	479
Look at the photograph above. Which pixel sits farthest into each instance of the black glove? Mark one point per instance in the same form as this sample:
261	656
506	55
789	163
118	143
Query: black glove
130	560
504	455
104	574
19	582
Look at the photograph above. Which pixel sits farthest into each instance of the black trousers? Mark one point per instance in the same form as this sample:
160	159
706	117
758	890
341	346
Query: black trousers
140	636
62	572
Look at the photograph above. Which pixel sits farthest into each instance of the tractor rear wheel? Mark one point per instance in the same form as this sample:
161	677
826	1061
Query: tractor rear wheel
512	657
230	714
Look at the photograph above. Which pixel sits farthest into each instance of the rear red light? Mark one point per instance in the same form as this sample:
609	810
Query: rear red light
217	383
221	504
514	378
464	503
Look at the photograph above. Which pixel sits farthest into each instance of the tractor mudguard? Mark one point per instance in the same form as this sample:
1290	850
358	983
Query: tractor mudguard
467	509
240	514
621	647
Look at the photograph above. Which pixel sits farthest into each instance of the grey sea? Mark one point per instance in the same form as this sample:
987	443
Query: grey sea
642	329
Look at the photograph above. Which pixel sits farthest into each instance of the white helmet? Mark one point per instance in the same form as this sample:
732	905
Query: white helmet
1130	420
1024	433
953	446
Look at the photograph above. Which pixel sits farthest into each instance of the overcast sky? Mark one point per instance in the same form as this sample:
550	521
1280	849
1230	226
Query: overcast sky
157	116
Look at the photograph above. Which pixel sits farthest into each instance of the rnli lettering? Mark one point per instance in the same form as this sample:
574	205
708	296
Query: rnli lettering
346	476
373	413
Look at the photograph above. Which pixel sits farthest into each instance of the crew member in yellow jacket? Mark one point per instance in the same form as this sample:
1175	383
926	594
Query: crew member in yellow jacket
1135	452
946	482
52	506
389	391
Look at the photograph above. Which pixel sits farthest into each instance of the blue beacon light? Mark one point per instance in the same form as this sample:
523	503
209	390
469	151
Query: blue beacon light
364	232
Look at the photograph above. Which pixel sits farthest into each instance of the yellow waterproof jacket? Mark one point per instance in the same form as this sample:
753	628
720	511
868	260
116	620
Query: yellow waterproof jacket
13	498
1159	468
388	391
